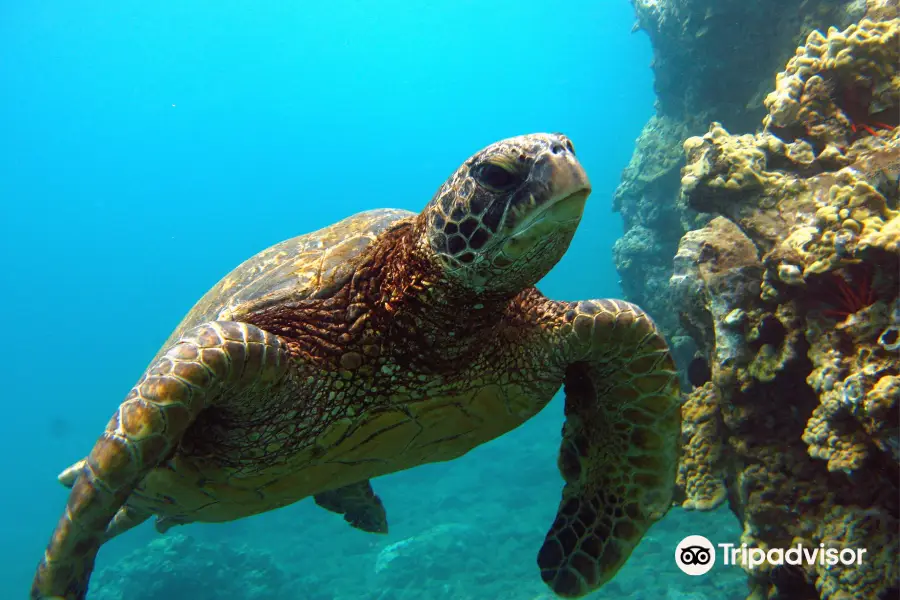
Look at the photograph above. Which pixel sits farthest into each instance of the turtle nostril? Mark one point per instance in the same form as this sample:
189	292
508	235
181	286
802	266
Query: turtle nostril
557	148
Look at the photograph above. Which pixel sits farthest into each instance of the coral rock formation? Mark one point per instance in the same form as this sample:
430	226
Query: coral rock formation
829	90
714	60
700	472
720	55
178	567
791	293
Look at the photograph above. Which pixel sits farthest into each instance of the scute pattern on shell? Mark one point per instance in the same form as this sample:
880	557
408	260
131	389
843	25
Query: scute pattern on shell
312	265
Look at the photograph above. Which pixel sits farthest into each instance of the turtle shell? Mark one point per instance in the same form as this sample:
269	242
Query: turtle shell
313	265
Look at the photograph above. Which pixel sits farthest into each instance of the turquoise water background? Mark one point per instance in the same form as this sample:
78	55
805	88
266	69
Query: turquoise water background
148	148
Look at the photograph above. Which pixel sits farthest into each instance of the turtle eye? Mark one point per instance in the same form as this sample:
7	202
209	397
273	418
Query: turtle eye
496	177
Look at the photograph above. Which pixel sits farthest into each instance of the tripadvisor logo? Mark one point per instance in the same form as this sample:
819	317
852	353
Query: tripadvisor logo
695	555
795	555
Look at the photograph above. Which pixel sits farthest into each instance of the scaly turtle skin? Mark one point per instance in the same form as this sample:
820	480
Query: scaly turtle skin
386	341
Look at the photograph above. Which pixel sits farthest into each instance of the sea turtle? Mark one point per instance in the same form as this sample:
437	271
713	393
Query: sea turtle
386	341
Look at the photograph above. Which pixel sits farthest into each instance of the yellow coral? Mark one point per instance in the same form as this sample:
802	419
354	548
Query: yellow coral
829	217
886	237
852	215
883	396
864	54
723	161
857	528
699	473
843	451
879	404
856	378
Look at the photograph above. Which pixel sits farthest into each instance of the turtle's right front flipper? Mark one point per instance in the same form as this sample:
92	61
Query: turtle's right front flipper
209	360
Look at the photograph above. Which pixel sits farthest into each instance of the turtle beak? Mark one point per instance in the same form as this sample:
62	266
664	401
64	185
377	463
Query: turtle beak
569	186
555	201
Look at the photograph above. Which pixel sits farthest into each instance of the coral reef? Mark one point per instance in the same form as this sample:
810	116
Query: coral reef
863	385
791	294
853	527
417	561
177	567
842	83
701	473
714	60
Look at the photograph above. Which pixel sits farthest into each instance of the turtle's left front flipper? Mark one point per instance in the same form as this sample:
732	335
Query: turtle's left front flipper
359	504
209	361
620	443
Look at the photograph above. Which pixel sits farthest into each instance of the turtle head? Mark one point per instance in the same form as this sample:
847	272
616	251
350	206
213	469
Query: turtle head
508	214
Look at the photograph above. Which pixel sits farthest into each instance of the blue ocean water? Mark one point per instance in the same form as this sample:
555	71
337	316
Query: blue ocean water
148	148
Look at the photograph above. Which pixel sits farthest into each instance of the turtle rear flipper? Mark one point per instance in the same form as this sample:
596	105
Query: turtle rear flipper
359	504
208	360
620	444
126	518
71	473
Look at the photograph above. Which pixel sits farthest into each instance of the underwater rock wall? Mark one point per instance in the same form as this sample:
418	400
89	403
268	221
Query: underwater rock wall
791	294
718	57
714	60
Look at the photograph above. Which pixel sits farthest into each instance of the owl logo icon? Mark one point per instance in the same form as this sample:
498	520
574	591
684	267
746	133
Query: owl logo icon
695	555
